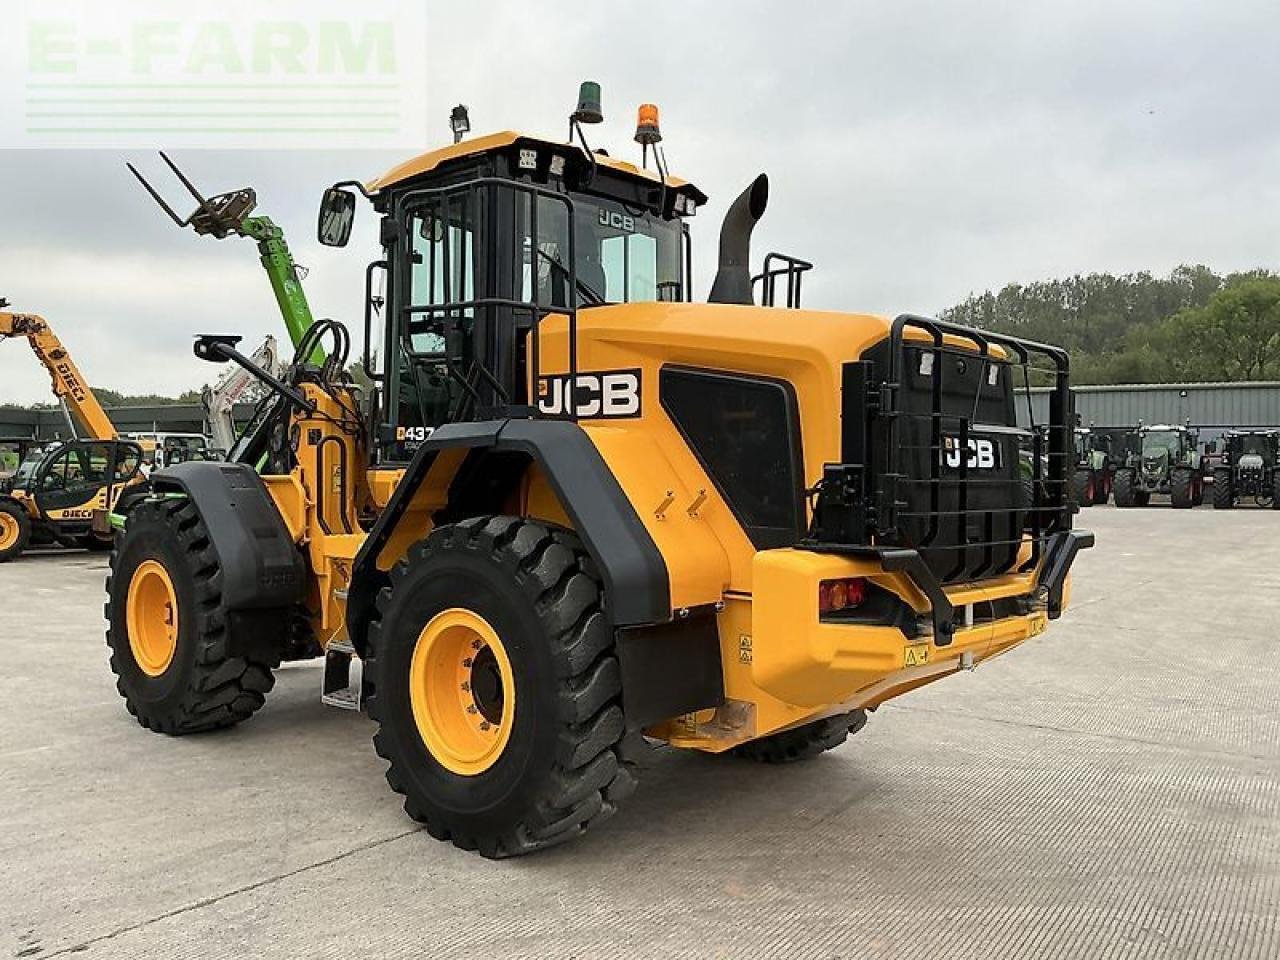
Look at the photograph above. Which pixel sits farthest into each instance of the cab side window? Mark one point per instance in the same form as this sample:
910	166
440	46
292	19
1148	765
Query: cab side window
128	460
65	471
97	463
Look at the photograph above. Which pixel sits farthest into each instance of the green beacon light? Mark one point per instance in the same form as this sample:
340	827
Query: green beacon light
589	109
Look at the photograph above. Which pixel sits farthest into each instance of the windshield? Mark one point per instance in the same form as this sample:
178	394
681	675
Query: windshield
1253	443
621	255
1157	442
22	479
10	457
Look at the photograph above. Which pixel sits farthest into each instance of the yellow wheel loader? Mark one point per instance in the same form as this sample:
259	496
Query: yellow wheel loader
580	513
63	492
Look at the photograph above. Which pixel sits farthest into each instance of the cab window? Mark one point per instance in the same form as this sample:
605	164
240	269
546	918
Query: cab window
66	470
128	460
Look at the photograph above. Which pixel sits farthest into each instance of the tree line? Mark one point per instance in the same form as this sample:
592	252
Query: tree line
1194	324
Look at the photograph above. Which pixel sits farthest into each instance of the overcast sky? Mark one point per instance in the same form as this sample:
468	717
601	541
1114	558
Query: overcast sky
917	151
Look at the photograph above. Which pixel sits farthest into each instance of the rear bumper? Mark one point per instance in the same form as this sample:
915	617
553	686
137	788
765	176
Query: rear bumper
806	661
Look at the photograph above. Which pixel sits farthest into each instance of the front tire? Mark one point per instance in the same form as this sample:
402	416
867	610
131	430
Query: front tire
15	528
1223	496
803	743
496	687
1125	490
1182	490
168	629
1083	488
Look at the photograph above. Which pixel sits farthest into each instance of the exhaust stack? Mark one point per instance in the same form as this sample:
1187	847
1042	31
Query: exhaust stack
733	278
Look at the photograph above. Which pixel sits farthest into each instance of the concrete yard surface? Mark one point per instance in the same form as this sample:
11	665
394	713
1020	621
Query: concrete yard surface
1111	789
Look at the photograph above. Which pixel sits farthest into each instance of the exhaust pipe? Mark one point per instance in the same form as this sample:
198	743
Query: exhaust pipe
733	278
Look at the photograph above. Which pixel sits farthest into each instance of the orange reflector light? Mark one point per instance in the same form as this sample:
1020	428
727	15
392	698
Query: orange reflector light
837	595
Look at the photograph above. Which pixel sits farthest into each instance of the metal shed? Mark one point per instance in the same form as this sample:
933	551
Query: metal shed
51	424
1213	407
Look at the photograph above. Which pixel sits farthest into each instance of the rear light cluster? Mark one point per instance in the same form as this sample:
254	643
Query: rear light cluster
837	595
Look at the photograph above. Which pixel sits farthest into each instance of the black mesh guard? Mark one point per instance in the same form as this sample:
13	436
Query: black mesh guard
945	468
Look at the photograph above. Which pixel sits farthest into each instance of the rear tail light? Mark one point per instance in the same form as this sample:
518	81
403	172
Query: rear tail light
837	595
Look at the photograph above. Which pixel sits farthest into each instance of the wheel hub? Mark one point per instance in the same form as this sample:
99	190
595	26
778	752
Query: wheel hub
8	531
462	691
152	618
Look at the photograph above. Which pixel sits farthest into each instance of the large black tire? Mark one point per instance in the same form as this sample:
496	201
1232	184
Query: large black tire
1182	489
1125	493
1082	488
202	687
803	743
560	768
1223	495
1275	491
15	529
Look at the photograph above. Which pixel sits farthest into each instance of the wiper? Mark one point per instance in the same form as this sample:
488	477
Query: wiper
584	288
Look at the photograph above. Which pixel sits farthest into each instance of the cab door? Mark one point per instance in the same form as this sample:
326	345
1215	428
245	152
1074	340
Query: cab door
126	466
70	483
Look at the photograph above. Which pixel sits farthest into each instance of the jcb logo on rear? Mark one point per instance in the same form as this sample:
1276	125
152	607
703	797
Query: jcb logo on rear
983	453
608	394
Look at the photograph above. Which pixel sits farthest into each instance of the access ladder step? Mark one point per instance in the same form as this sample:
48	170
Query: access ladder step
343	685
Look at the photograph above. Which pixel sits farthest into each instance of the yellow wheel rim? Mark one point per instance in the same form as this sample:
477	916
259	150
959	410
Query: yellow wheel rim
8	531
152	618
462	692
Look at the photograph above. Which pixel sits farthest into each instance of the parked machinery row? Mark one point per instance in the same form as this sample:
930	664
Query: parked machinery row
1134	463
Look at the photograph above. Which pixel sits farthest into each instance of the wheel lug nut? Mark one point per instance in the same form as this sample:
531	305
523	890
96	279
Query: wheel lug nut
467	687
471	709
467	662
485	726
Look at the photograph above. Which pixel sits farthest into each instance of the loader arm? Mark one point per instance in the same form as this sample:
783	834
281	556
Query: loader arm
68	383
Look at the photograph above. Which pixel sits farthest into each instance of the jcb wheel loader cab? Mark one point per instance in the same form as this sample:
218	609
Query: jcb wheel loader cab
588	509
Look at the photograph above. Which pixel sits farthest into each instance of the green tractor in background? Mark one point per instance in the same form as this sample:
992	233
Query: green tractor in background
1161	459
1097	455
1249	469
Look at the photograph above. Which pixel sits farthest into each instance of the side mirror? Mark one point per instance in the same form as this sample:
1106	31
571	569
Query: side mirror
337	214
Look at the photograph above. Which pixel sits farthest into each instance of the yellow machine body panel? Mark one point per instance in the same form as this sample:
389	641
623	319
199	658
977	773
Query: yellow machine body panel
782	665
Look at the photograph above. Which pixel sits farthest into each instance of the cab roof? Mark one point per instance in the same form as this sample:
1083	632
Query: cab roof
477	146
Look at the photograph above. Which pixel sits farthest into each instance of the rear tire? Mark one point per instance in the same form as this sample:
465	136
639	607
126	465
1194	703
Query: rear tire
1223	495
803	743
1125	494
1182	489
15	528
173	670
525	597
